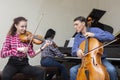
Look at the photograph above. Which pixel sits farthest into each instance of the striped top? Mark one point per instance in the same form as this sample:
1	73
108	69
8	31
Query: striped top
10	47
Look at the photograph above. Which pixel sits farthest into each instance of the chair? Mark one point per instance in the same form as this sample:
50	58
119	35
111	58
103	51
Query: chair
49	70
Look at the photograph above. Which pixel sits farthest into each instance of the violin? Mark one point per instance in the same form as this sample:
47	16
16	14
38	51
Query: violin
36	39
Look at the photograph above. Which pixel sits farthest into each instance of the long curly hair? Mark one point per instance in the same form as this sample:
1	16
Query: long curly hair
16	21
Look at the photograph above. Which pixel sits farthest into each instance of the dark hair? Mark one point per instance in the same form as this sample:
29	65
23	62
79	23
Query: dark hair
81	19
16	21
50	34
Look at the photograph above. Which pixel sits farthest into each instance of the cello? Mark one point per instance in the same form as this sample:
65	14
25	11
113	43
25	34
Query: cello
92	67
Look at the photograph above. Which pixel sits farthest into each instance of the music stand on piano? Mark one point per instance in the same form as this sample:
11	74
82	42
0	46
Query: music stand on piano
66	43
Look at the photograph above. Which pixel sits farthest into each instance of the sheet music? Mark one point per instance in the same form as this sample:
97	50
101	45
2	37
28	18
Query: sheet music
70	44
117	34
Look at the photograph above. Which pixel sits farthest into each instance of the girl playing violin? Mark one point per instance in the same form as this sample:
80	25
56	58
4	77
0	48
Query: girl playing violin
17	51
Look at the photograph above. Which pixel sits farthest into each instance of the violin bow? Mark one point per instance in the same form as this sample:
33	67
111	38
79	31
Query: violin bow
36	28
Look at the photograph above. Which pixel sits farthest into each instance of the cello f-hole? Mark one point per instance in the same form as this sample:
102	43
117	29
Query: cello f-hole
94	61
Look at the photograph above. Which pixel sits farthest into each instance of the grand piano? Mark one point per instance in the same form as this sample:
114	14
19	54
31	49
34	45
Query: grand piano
112	50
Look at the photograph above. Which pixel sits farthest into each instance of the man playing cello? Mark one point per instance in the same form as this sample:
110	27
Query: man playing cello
81	29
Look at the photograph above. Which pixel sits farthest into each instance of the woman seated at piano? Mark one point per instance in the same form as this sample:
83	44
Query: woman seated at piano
48	54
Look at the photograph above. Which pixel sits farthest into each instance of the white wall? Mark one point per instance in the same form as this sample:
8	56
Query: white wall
58	14
112	16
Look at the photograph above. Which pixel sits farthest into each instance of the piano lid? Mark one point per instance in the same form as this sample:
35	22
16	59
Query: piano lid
96	14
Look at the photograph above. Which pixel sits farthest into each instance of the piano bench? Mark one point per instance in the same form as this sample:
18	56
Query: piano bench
49	70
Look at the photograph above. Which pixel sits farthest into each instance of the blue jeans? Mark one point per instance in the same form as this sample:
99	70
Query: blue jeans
50	62
110	68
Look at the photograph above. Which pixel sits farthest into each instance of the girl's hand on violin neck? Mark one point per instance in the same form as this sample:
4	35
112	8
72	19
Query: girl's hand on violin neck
23	49
80	53
89	34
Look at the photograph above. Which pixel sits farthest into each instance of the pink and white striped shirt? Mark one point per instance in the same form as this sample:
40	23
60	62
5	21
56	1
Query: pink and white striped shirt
10	47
